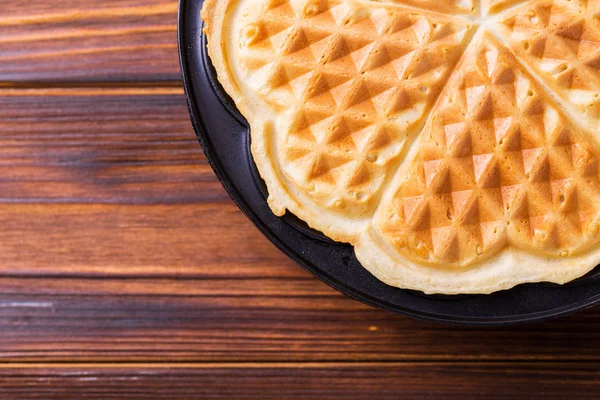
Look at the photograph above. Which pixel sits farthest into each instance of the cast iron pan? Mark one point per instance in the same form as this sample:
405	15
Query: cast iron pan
224	136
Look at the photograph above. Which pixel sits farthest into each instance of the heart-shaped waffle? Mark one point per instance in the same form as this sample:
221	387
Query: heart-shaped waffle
426	133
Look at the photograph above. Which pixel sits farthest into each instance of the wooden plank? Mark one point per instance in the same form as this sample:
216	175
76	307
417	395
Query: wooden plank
92	41
236	316
184	240
101	146
305	381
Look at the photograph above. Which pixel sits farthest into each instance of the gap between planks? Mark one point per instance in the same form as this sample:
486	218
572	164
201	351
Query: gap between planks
289	365
9	89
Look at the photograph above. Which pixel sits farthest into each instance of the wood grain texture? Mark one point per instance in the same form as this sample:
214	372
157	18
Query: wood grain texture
268	319
121	240
116	184
305	381
88	41
73	146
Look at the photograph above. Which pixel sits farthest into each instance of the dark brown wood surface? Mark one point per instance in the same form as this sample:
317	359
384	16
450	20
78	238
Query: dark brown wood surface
126	271
315	380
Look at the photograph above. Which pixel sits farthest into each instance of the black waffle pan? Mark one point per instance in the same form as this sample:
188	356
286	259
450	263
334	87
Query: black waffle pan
224	136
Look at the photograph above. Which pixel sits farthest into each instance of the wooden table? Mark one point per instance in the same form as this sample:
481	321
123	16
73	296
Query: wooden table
126	271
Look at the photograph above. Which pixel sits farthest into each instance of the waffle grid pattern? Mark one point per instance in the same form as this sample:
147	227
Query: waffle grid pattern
332	66
356	81
560	39
497	163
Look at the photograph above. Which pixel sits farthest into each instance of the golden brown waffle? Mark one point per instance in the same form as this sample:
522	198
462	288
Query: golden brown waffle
351	82
497	165
560	40
447	177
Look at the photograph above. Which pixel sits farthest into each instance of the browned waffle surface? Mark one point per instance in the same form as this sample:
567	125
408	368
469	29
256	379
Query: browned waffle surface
351	81
560	40
498	164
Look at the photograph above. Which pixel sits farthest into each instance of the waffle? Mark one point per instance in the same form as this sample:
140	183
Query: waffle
410	131
560	41
351	83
